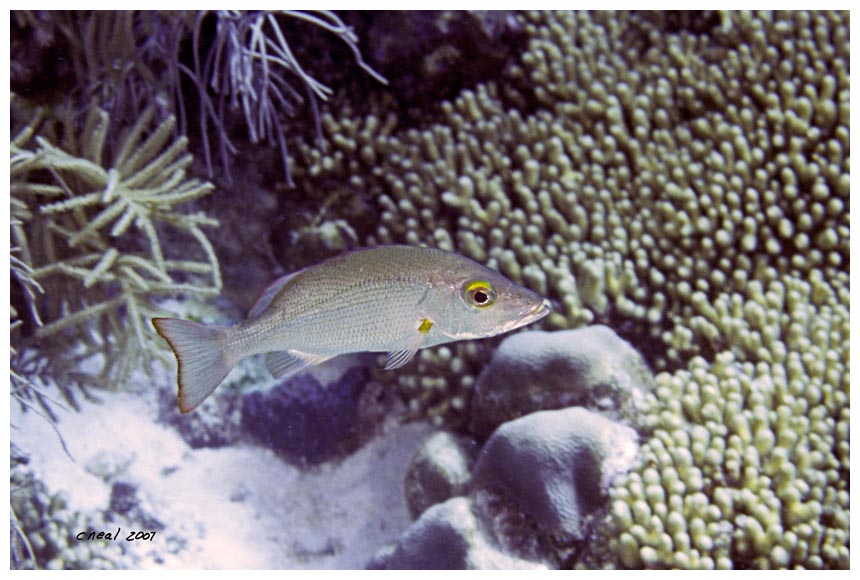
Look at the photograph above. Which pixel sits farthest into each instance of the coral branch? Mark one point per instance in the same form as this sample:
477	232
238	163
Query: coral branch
80	212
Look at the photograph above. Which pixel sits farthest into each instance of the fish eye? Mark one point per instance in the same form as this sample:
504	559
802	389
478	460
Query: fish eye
479	294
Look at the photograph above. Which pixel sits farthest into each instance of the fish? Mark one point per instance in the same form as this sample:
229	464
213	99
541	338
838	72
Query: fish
392	299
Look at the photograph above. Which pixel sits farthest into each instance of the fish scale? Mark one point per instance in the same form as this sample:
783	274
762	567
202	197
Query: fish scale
359	325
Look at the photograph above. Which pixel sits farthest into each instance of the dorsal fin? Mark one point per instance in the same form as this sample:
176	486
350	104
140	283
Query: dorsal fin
267	295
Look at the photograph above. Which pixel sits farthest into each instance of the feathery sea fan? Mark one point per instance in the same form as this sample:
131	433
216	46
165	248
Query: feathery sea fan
90	224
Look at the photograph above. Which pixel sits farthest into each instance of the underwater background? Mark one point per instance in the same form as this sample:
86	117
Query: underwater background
675	183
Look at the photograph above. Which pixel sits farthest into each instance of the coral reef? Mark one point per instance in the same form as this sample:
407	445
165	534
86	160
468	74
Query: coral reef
217	66
441	469
430	55
684	181
531	493
44	528
527	501
447	536
95	228
216	423
248	67
531	371
748	467
556	466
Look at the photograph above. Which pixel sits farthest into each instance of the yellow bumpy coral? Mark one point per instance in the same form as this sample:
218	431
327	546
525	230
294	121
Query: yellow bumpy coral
685	179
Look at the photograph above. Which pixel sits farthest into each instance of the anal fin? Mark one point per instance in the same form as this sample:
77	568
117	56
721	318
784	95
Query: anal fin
282	364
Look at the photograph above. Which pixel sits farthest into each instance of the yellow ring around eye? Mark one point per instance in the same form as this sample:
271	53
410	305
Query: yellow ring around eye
480	294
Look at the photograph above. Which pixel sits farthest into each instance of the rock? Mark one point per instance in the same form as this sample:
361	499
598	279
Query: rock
50	527
41	69
240	493
532	371
110	464
556	466
440	470
447	537
303	246
123	497
215	423
432	54
17	456
249	211
304	421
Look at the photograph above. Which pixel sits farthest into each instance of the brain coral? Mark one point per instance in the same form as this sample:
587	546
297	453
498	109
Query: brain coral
685	180
554	465
534	370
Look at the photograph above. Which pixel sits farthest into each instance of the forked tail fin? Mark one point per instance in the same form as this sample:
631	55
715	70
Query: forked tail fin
199	350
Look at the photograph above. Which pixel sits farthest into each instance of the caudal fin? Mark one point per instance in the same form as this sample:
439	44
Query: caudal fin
199	350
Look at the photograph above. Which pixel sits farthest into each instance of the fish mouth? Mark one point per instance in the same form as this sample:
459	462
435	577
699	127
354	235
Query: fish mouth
533	314
538	311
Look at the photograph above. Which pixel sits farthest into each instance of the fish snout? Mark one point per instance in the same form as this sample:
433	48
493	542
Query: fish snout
539	310
532	313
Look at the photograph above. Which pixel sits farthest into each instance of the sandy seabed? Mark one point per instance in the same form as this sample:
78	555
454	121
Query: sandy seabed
232	507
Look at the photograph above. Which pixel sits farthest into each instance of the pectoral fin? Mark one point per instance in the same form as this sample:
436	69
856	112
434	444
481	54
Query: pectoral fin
400	356
282	364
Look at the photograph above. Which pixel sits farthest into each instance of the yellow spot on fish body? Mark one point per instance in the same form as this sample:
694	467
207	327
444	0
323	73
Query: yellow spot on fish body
425	327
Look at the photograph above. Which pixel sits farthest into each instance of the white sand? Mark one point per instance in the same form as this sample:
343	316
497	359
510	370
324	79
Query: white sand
234	507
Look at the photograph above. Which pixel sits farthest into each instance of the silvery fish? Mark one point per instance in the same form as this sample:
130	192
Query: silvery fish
393	299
